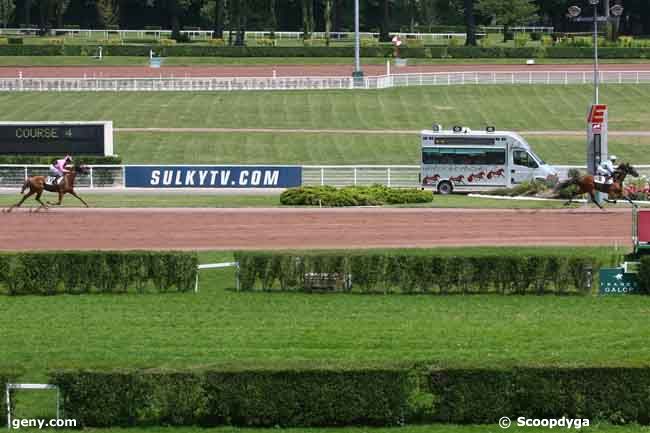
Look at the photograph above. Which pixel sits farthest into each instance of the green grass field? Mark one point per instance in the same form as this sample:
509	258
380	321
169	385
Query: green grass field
331	148
507	107
220	327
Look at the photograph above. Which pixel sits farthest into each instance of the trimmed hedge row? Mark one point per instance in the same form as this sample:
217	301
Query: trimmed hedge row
301	398
248	398
615	395
40	159
352	196
505	273
377	51
58	272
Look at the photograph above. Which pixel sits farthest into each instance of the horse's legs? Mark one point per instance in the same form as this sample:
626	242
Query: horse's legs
80	199
38	198
22	200
593	198
60	198
630	200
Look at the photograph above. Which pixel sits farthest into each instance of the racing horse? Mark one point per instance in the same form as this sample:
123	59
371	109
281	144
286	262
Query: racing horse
38	184
587	185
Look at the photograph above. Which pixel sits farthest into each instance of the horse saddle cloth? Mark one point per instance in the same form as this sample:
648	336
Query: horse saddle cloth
51	180
601	179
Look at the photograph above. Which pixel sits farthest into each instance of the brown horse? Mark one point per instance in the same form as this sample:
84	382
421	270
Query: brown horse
37	185
586	185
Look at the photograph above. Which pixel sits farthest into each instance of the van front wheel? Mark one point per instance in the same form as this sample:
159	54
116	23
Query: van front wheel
445	188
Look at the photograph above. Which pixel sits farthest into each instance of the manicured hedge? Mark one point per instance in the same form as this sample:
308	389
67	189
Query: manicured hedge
58	272
301	398
616	395
247	398
423	272
40	159
194	50
352	196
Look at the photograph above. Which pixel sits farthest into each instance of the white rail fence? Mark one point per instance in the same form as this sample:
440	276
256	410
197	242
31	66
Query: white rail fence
251	35
96	84
401	176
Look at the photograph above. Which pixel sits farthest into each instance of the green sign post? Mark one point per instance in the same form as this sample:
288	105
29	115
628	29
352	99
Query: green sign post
613	281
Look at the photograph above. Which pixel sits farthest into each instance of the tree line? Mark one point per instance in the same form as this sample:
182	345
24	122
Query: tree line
307	16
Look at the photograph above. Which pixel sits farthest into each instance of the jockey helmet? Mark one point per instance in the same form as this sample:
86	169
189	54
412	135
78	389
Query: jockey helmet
68	158
612	158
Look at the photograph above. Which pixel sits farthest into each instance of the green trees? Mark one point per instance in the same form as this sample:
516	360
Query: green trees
378	16
508	13
7	8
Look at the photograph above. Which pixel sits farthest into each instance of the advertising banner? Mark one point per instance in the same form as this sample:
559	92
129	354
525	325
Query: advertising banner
219	176
614	281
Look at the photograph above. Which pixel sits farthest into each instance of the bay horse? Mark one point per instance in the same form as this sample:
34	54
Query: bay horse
586	185
37	184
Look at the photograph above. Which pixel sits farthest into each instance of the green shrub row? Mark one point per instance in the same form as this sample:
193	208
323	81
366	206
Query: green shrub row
352	196
58	272
614	395
191	50
301	398
248	398
403	272
40	159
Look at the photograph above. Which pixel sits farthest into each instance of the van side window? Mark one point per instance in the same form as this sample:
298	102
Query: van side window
521	157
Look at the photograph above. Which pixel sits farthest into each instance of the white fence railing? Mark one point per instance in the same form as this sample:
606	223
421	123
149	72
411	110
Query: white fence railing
207	34
401	176
99	176
188	84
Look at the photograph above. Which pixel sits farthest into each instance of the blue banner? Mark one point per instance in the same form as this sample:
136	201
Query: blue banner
224	176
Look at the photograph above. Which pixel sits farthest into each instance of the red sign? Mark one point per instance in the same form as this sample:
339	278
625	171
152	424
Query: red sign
597	113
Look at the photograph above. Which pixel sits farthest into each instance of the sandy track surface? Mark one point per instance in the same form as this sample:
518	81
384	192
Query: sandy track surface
284	70
227	229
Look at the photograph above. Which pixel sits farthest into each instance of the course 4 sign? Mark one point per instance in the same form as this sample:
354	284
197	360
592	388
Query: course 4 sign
56	138
225	176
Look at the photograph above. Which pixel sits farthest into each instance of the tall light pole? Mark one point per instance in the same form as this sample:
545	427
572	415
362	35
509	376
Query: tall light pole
574	12
358	73
597	148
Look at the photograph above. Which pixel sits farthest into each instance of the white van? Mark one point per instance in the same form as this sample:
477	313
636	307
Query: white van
467	161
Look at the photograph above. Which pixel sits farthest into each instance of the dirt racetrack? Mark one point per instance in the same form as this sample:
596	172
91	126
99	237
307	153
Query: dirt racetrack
217	70
228	229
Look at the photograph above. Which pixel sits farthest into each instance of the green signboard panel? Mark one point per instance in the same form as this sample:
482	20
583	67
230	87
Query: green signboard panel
613	281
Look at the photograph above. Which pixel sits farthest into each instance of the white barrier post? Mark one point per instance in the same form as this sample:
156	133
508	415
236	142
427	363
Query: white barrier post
217	266
36	386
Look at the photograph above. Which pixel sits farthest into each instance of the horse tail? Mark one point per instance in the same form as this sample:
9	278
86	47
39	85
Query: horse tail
568	182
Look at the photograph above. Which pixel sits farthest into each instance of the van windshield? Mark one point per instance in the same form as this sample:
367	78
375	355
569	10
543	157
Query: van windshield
536	156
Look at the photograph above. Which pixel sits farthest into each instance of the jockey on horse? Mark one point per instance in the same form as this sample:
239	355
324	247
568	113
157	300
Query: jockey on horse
587	184
58	168
606	168
35	185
